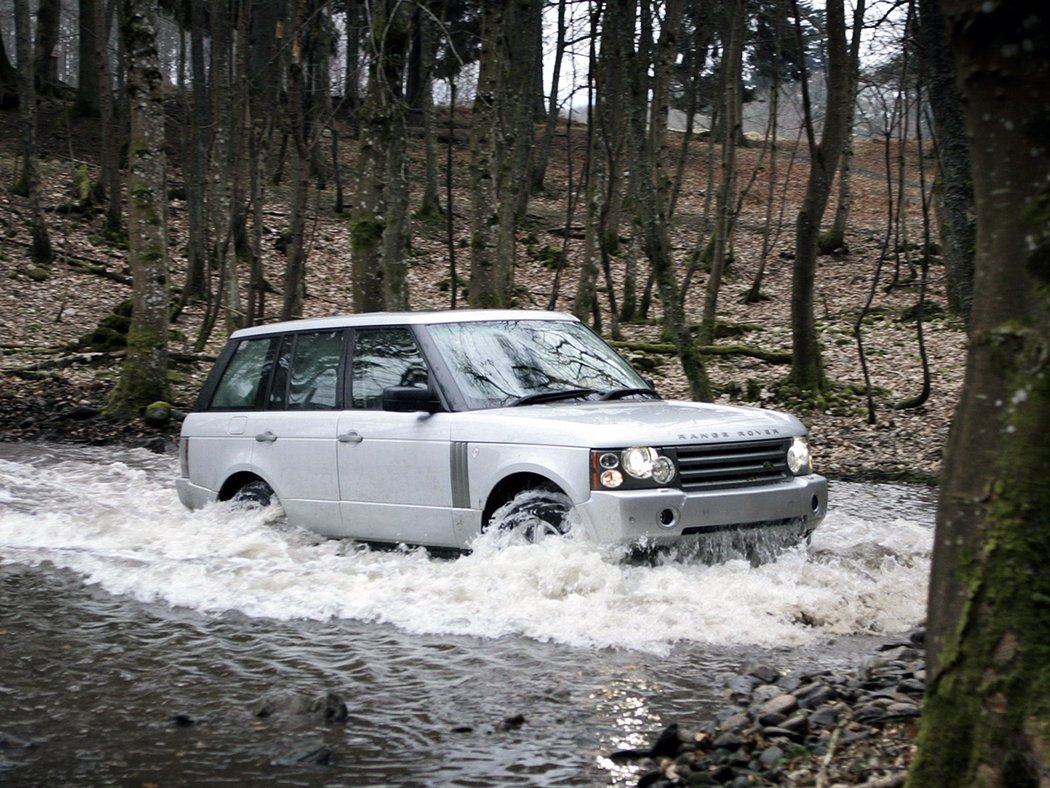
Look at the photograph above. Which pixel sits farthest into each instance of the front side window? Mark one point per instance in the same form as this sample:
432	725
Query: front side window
243	383
384	357
496	363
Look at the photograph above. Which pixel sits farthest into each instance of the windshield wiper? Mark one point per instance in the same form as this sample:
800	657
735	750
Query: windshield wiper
622	393
550	396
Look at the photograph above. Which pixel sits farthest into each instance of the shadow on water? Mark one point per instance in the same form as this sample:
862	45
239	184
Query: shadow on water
144	644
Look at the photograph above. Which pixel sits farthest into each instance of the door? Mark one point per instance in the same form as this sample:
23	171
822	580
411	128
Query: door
394	468
294	436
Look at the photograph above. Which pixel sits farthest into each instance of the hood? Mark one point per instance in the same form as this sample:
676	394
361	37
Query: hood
622	423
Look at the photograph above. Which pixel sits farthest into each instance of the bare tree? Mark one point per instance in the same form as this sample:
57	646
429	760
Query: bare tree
807	369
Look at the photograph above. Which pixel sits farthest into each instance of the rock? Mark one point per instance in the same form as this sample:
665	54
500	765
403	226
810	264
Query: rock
157	415
728	741
824	717
851	708
320	756
667	743
770	756
511	723
782	704
764	673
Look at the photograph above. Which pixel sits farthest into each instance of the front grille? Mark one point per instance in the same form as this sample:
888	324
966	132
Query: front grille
715	466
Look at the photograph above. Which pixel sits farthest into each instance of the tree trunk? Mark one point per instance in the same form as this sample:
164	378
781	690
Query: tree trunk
87	101
195	158
651	219
378	218
955	186
8	78
223	162
987	708
429	204
807	369
504	137
41	240
543	149
112	133
144	376
725	205
45	58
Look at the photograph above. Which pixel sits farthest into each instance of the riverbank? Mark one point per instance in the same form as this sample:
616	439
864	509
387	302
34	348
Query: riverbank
805	729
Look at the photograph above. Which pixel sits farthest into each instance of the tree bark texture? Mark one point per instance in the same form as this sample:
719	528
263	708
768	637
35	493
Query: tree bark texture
503	138
41	245
45	60
955	186
379	215
87	68
987	714
807	369
144	376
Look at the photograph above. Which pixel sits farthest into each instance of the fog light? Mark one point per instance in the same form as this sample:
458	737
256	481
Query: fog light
611	478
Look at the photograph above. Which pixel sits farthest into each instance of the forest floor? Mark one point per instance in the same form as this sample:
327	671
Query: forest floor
51	383
52	386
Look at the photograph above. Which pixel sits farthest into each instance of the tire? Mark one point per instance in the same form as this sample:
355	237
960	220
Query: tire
255	494
533	515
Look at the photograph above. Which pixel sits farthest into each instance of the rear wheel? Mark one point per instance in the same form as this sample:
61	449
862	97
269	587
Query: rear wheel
255	494
534	515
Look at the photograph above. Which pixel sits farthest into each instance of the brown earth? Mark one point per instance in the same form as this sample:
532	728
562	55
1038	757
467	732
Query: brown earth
48	387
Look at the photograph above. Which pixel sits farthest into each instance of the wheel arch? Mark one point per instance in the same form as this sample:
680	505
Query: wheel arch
236	482
511	485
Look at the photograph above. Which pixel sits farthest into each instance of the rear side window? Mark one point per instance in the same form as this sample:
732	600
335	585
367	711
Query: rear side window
307	373
243	384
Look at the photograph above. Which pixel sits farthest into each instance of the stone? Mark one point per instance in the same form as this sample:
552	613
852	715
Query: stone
770	756
782	704
764	673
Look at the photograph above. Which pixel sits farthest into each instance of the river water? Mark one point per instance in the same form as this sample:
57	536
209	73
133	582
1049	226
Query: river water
141	643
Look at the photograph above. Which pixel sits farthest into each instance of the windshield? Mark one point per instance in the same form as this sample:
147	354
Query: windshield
509	361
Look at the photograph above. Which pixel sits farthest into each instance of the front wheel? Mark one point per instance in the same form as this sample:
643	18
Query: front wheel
533	515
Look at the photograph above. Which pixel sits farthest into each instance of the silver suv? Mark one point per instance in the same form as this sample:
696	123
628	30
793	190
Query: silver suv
428	428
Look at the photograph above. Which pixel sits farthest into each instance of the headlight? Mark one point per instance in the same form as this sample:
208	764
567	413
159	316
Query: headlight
638	462
798	457
634	468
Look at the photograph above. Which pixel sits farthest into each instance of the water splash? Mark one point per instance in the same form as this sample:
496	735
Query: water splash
112	517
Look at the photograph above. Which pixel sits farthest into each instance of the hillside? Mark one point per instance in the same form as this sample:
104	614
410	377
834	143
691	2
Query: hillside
50	388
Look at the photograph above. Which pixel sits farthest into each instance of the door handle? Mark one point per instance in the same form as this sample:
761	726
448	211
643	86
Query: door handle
266	437
350	437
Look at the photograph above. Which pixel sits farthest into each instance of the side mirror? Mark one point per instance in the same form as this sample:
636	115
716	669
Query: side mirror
410	399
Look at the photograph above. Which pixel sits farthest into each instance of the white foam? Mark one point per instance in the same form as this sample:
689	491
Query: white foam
119	525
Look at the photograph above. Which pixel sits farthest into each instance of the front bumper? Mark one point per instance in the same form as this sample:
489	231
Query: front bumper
665	516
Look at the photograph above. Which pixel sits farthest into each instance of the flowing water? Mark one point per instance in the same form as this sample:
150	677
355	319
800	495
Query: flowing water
141	643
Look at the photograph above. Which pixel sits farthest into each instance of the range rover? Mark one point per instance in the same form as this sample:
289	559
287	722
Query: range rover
427	428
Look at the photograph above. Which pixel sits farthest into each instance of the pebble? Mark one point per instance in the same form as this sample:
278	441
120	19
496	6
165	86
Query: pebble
778	726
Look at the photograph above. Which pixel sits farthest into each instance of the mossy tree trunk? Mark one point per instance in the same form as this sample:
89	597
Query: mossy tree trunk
987	714
144	376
